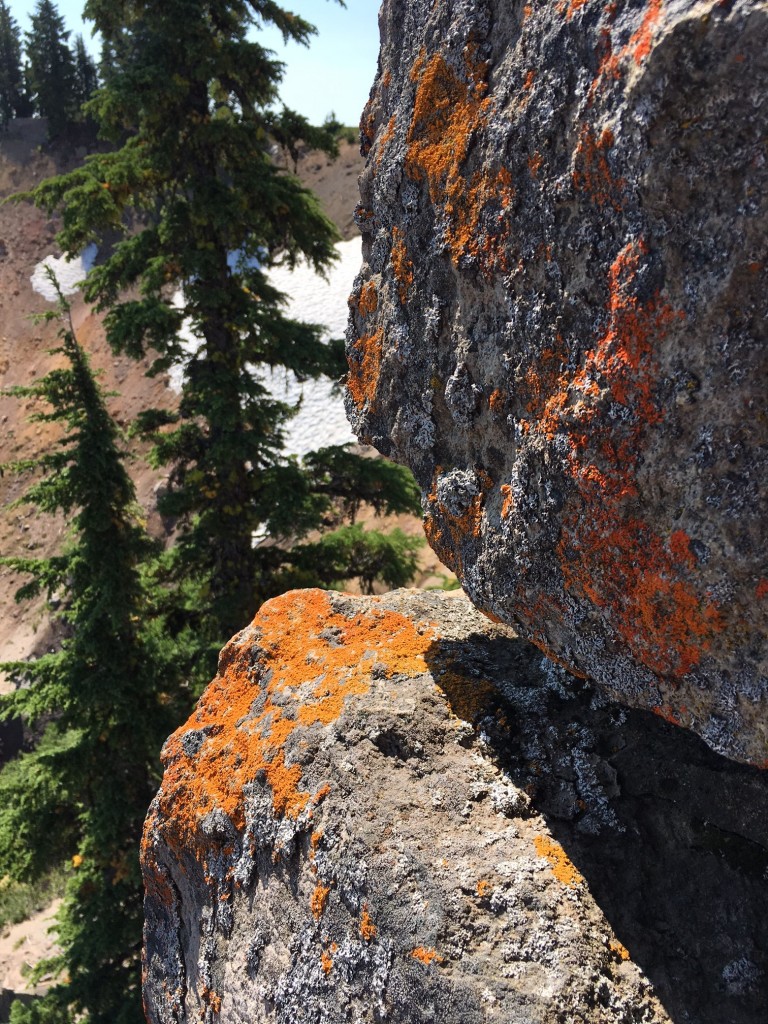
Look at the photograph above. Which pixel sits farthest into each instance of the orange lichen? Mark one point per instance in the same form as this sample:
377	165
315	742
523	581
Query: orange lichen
211	999
508	504
367	927
326	962
319	899
534	164
402	266
427	956
573	7
483	888
558	860
639	45
469	698
530	78
368	300
619	949
640	580
445	530
761	590
448	111
245	721
591	170
497	401
363	375
384	139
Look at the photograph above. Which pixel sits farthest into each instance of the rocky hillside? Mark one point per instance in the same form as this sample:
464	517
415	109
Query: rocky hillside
26	238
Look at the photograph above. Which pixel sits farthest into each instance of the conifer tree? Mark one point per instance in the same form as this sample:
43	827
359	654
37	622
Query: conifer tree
11	76
51	76
193	91
86	73
104	702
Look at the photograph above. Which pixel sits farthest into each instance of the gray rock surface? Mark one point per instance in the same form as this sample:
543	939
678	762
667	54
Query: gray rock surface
560	325
391	809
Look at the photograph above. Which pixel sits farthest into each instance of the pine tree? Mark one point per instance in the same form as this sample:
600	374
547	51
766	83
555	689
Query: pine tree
11	76
104	702
192	91
51	77
86	73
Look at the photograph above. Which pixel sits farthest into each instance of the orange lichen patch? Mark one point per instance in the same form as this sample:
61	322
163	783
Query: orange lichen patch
591	171
319	899
508	504
211	999
368	300
639	45
482	201
761	590
367	927
448	110
245	718
530	78
561	866
497	401
680	547
469	698
384	139
402	266
483	888
639	579
608	68
573	7
534	164
363	375
427	956
619	949
527	12
326	962
446	531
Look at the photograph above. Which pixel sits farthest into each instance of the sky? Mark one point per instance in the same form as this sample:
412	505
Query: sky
334	74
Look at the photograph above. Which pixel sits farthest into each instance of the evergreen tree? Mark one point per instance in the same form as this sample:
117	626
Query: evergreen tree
86	73
104	701
188	93
11	76
51	77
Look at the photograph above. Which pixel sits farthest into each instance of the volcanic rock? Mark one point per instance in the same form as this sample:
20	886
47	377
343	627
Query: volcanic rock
390	809
560	326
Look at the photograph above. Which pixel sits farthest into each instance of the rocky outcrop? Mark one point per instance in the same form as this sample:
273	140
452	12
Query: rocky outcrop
560	325
390	809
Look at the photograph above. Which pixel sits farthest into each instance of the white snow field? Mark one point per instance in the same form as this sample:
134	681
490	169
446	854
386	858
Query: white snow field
320	419
69	273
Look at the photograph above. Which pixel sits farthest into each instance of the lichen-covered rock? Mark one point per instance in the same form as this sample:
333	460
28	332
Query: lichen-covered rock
560	325
390	809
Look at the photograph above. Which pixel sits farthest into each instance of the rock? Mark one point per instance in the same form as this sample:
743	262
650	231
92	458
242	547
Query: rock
391	809
560	326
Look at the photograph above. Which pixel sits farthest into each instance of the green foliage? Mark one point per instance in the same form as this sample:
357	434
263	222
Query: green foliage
51	70
20	900
86	73
188	93
102	704
11	76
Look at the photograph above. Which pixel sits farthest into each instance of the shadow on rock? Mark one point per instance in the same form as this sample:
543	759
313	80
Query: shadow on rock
671	838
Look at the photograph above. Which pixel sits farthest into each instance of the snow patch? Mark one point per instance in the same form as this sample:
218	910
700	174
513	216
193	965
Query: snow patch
320	419
70	273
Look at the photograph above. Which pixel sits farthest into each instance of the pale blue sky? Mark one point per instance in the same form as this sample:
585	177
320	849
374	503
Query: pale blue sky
333	74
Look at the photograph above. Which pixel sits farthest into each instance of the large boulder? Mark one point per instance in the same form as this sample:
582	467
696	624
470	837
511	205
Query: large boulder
390	809
560	325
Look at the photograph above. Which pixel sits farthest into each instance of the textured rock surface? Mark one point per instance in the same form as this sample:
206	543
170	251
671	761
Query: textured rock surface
561	327
389	809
